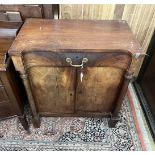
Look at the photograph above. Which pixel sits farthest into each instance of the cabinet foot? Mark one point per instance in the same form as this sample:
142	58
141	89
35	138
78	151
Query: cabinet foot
113	121
24	122
36	122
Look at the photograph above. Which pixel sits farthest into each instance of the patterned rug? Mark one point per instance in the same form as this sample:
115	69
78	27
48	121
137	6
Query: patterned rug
72	133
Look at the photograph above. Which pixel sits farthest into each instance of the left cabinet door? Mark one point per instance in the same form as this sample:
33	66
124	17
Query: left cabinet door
52	84
53	89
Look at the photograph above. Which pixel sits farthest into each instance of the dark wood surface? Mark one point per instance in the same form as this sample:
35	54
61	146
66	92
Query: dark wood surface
8	32
98	58
54	81
10	25
98	90
54	87
26	11
48	11
43	34
11	97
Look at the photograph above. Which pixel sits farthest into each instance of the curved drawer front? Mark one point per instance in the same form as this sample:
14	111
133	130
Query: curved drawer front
95	59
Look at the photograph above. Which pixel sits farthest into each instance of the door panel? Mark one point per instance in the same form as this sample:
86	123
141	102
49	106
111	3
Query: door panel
98	90
53	88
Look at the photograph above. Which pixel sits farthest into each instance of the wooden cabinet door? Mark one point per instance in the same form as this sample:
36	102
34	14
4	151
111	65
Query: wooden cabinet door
98	90
52	84
103	78
53	89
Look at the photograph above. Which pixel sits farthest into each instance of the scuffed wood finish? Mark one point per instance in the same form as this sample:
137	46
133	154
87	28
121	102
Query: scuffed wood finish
3	96
8	31
11	97
26	82
14	16
48	11
140	17
53	89
7	25
17	61
99	89
3	16
57	58
54	85
43	71
26	11
47	35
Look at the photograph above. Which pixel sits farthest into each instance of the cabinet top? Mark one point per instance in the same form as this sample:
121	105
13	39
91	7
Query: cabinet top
49	35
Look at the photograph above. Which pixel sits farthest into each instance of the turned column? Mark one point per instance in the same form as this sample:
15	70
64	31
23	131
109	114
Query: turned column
36	119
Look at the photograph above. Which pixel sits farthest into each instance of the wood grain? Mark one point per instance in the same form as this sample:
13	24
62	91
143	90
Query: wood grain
53	85
8	31
14	16
48	11
27	11
140	17
99	58
98	90
3	16
74	34
53	89
11	90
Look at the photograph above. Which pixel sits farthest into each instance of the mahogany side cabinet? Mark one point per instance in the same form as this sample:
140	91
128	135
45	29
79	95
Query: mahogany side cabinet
11	100
76	67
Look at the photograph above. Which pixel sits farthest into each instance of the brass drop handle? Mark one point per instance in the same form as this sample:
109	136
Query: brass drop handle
84	60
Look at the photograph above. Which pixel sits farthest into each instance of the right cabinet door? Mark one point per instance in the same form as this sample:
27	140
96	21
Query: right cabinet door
99	88
101	84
